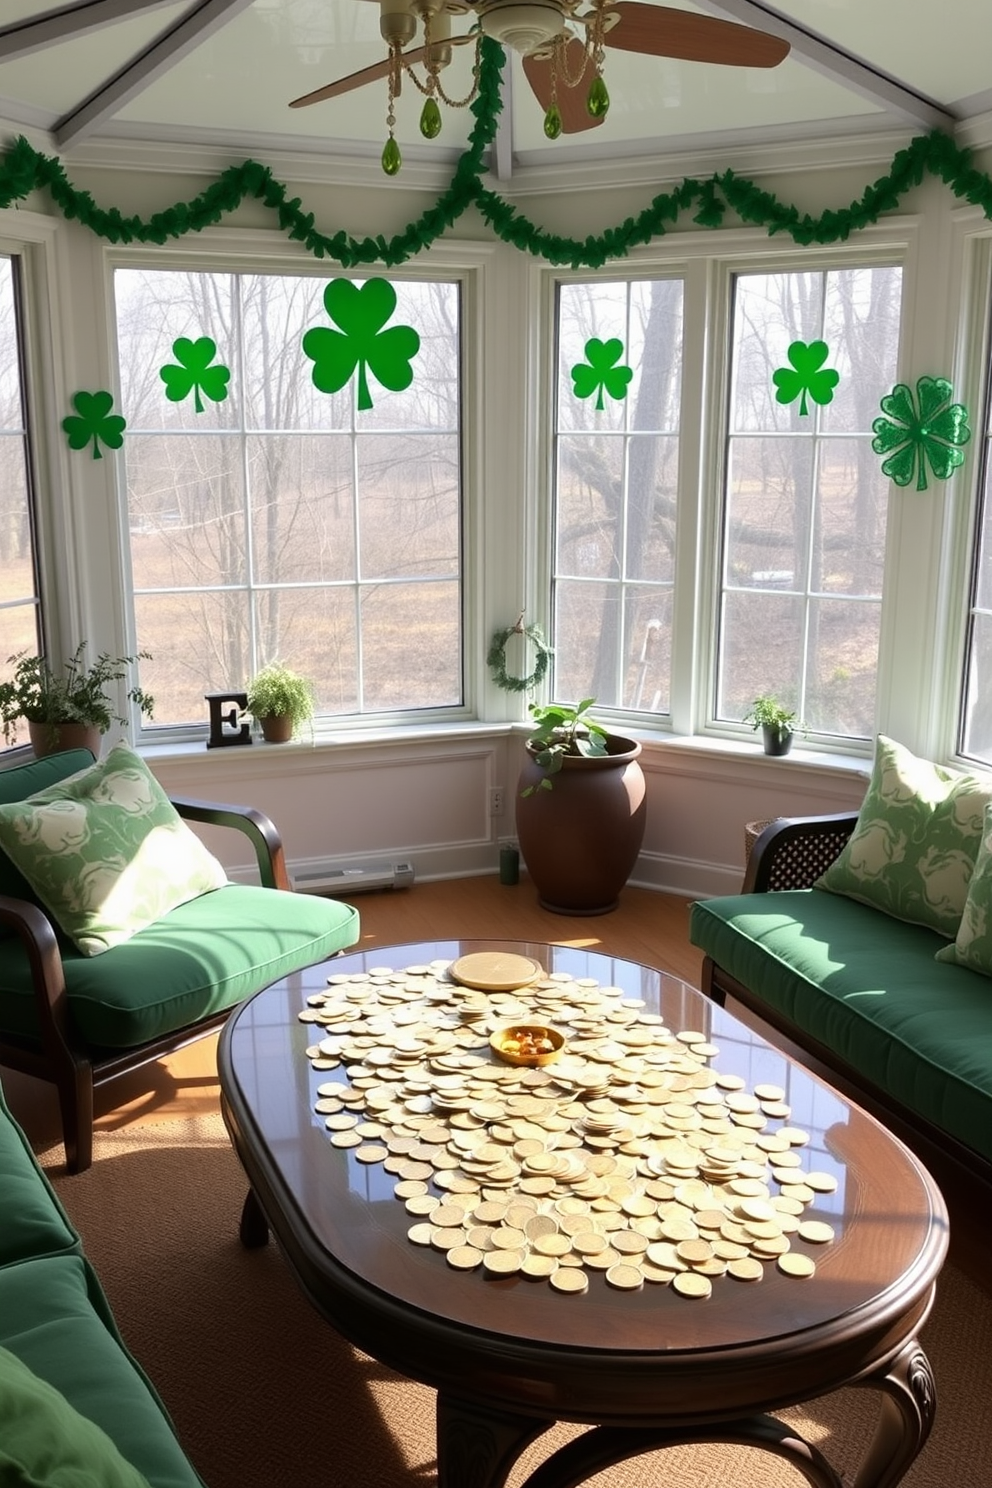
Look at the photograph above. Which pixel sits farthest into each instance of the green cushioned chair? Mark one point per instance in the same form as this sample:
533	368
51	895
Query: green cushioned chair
80	1020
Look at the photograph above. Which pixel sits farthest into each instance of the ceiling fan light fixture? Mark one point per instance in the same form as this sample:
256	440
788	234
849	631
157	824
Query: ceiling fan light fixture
523	25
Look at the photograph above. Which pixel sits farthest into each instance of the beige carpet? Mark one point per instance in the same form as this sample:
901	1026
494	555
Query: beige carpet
264	1394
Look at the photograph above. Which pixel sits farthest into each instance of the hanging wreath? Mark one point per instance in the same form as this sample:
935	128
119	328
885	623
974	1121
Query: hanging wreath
496	659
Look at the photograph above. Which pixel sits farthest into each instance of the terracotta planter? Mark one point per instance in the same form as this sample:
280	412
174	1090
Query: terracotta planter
56	738
580	839
277	728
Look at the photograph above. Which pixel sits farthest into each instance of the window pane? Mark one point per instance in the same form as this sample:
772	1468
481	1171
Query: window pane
976	720
19	598
264	522
616	490
805	500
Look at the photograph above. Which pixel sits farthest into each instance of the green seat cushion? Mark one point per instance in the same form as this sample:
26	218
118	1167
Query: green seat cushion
46	1443
33	1221
868	988
106	851
54	1318
207	955
914	847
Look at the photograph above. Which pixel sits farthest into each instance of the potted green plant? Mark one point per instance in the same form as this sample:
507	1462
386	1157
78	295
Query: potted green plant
581	810
280	701
68	708
777	722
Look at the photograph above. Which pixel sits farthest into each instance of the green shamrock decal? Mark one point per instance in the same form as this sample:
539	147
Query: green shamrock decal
194	373
805	375
601	372
931	435
95	421
361	312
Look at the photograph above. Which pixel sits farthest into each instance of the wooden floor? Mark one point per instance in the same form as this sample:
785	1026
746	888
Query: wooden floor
647	926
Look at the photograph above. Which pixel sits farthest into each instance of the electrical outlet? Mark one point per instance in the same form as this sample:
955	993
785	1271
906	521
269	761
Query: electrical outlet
495	800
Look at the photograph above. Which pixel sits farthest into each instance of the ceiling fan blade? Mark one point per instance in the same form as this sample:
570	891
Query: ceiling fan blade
575	117
373	74
661	31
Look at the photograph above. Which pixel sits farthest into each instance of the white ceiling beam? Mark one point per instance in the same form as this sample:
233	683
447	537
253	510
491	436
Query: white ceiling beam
24	37
834	62
501	152
194	28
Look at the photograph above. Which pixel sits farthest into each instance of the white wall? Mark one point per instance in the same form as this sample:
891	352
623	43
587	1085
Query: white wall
426	795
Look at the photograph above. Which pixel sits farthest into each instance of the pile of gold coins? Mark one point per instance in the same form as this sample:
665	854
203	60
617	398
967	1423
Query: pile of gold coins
631	1155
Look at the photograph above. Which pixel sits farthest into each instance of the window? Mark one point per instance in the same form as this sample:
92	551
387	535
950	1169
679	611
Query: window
805	499
616	473
976	714
280	522
20	606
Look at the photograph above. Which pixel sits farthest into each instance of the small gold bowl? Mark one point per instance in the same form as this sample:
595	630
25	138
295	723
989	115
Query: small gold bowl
531	1044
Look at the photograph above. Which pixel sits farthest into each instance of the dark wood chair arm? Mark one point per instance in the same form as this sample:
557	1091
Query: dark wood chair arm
34	930
262	833
792	852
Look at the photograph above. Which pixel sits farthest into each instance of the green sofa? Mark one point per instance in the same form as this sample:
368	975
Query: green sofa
80	1020
71	1396
909	1036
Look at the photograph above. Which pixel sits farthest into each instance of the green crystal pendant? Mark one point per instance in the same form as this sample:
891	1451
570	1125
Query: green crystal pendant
552	122
430	120
598	102
391	157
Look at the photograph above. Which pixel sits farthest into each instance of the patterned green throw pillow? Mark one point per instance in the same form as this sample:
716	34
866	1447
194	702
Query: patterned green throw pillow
913	850
106	852
973	944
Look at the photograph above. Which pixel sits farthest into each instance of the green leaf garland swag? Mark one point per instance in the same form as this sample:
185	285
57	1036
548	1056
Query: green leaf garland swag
24	169
496	657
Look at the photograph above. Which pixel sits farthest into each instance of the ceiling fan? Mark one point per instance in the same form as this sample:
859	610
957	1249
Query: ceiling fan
561	45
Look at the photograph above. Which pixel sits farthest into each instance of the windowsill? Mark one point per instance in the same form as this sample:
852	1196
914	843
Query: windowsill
730	754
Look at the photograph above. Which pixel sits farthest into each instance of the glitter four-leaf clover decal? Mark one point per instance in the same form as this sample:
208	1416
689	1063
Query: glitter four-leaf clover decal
928	432
361	311
807	375
94	421
601	374
194	373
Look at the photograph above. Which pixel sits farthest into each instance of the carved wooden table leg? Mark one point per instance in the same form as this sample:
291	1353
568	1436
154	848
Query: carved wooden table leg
476	1447
909	1401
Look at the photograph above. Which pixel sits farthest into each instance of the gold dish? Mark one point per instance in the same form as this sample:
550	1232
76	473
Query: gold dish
531	1044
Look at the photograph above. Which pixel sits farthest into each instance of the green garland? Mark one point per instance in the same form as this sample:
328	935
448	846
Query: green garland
23	170
496	657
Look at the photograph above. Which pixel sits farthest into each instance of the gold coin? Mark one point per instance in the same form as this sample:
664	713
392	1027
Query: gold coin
464	1257
552	1245
503	1262
420	1234
344	1122
816	1231
345	1139
448	1216
794	1264
368	1153
410	1188
691	1284
539	1267
569	1279
508	1238
746	1268
625	1278
694	1251
587	1242
820	1182
601	1260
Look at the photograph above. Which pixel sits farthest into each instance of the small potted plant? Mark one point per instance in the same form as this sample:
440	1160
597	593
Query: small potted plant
280	701
778	723
581	810
67	709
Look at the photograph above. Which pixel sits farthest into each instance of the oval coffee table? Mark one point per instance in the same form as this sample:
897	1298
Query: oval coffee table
644	1368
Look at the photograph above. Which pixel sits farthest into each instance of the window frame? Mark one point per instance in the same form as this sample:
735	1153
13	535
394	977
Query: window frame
236	251
708	263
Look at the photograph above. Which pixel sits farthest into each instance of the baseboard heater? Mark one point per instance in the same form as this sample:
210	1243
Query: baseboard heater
356	878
